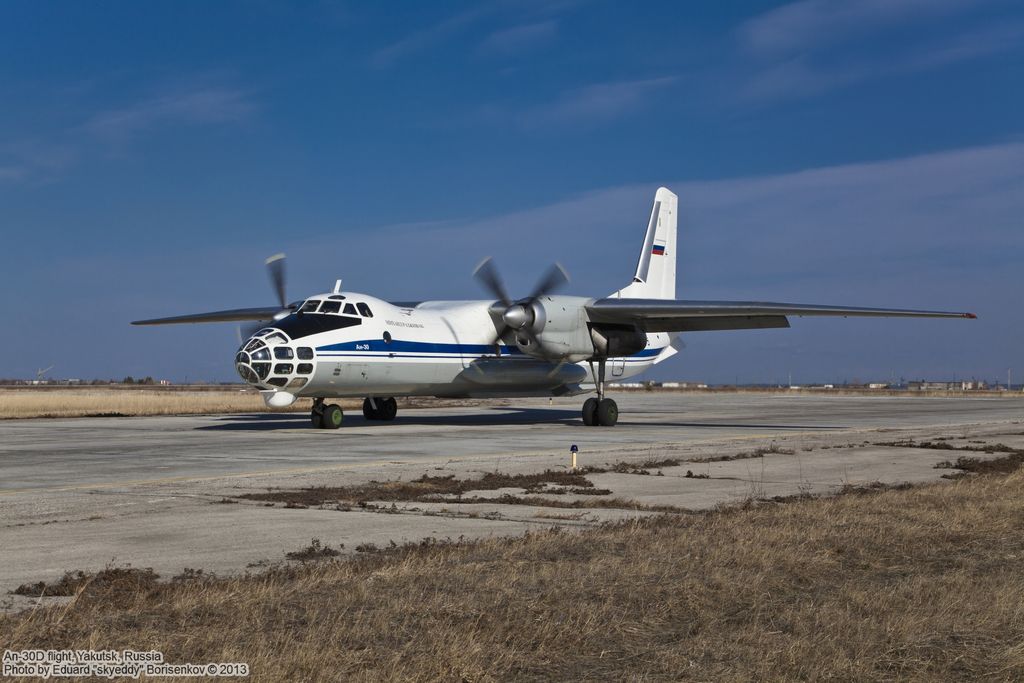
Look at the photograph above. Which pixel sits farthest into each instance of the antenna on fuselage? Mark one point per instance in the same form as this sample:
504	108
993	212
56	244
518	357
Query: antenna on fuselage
337	286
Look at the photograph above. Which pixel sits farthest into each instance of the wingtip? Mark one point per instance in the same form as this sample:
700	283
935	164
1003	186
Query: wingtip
971	316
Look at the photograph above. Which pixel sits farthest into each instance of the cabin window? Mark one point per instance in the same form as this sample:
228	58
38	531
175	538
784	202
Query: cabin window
305	353
387	337
364	310
309	306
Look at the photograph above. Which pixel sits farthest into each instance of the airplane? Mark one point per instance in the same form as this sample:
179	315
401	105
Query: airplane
348	344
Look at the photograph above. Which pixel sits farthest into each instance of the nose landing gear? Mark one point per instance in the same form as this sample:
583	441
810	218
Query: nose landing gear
380	409
326	417
600	411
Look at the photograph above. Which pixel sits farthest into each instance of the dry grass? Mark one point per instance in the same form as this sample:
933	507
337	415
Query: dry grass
118	401
430	488
103	402
921	584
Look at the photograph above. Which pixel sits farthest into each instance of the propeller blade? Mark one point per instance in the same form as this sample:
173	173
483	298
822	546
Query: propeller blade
487	275
247	330
555	277
275	268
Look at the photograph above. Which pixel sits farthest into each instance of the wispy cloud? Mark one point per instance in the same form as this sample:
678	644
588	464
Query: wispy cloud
430	36
804	75
596	103
41	157
805	24
811	46
32	159
515	40
199	105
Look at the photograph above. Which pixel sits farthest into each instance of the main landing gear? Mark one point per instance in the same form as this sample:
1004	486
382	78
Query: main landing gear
600	411
380	409
326	416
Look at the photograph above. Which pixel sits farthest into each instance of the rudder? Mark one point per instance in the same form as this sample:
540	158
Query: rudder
655	276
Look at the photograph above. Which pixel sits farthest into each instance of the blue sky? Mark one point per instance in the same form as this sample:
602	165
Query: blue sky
861	152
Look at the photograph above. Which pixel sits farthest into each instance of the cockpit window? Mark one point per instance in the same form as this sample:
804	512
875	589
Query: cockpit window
350	309
309	306
330	307
364	310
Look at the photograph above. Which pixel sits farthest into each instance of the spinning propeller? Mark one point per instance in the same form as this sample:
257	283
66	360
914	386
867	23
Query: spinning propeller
520	316
275	270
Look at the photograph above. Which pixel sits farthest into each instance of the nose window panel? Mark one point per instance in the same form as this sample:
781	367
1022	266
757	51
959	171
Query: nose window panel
247	374
262	369
283	353
283	369
275	339
262	354
297	382
253	345
305	353
277	381
305	368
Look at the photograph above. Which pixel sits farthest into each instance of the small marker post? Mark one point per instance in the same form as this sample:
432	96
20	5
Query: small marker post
573	450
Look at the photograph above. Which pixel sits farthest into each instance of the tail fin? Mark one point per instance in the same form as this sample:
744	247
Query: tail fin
655	276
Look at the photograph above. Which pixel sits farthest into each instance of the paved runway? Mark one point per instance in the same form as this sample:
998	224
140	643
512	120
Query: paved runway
79	493
64	453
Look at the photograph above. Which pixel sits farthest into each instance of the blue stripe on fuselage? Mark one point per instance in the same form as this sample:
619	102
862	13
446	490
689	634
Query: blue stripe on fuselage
399	346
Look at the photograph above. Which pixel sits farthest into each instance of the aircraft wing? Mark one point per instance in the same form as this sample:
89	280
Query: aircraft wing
233	315
674	315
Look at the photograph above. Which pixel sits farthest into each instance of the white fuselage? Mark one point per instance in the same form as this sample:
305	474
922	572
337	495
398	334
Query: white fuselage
436	348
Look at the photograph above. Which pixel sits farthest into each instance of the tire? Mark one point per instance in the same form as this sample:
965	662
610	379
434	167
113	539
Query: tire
388	408
368	412
314	417
607	413
590	412
333	417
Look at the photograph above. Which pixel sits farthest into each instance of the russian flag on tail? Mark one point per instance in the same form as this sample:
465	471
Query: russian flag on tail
658	250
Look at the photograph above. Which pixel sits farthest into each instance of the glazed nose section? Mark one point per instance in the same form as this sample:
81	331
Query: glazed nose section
253	361
268	359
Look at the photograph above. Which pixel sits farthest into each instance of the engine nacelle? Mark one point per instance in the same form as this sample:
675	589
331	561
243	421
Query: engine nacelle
616	341
560	324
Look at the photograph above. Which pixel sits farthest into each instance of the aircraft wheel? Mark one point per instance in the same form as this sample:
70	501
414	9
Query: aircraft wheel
590	412
388	408
332	417
607	413
368	410
315	418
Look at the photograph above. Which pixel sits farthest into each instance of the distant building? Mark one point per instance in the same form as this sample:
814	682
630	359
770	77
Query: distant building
962	385
683	385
